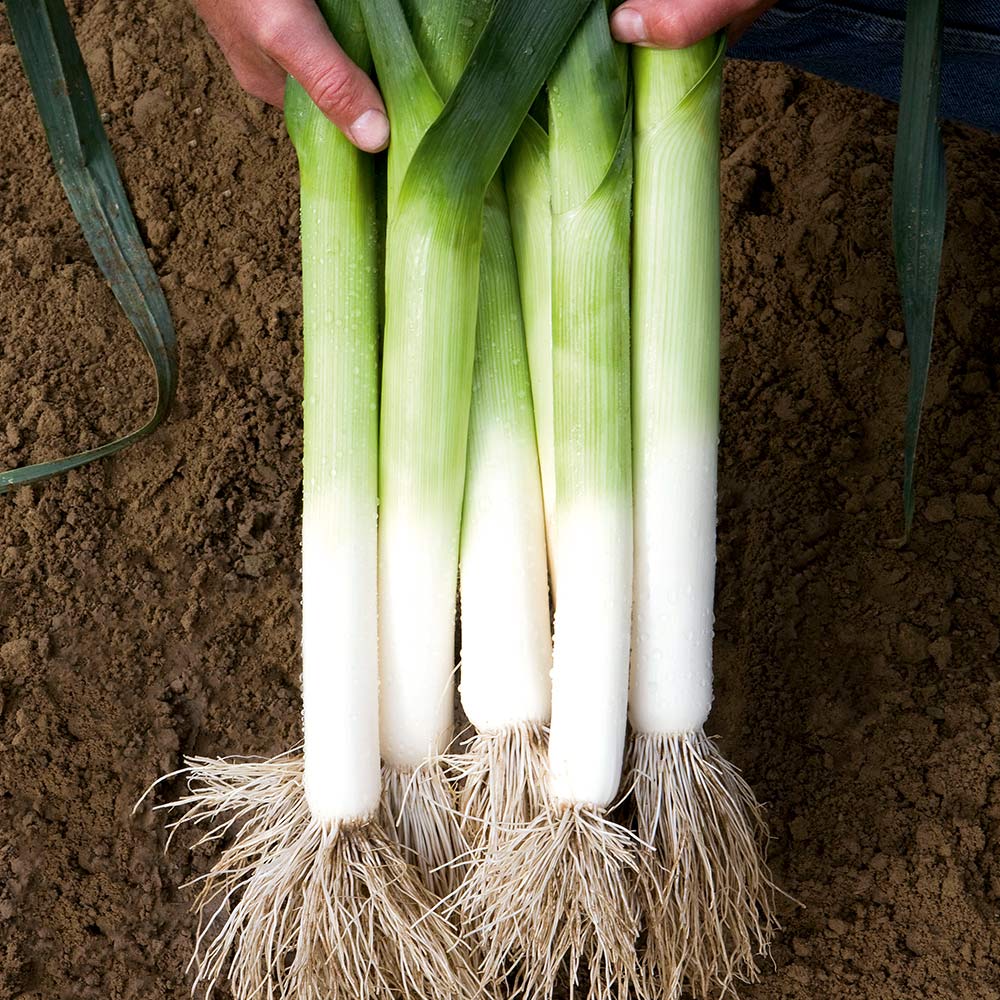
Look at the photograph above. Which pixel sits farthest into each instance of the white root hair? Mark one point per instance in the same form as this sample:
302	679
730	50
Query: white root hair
555	907
502	780
708	900
295	910
419	812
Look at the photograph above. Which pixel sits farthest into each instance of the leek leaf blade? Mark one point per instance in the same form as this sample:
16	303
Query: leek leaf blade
86	167
918	213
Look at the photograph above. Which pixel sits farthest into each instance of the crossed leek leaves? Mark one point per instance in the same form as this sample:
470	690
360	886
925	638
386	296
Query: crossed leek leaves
86	166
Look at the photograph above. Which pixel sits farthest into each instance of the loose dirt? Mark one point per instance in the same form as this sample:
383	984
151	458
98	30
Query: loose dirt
149	605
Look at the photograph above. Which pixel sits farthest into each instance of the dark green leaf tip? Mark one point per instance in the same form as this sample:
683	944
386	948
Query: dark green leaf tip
919	198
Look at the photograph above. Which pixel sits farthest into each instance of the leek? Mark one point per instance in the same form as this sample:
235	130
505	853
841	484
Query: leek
582	912
433	241
415	671
340	468
590	166
313	896
704	922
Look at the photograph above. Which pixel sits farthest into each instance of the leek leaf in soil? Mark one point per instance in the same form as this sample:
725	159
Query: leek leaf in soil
86	167
919	198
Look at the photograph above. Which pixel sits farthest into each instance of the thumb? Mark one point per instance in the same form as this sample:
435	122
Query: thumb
673	24
297	39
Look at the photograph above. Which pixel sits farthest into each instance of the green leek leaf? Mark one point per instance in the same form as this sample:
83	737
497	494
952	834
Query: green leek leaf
86	167
918	212
462	150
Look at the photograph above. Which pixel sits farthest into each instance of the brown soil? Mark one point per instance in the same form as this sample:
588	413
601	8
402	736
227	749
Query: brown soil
149	605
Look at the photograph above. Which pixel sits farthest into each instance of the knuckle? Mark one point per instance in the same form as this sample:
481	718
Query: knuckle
271	33
335	89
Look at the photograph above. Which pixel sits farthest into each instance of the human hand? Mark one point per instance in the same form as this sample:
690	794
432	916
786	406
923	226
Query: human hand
263	40
675	24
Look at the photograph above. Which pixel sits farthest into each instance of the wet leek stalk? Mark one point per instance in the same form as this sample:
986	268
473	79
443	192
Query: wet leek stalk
583	912
320	900
704	923
441	161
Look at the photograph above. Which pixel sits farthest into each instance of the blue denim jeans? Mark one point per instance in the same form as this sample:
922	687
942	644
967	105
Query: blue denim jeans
860	43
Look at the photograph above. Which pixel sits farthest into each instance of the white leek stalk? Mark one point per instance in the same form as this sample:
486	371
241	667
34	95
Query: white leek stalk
340	472
710	909
590	169
506	638
423	423
422	462
506	632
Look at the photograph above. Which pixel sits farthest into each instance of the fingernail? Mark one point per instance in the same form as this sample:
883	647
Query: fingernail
628	25
370	131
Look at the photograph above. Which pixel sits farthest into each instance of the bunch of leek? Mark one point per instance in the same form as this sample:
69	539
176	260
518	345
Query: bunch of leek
531	417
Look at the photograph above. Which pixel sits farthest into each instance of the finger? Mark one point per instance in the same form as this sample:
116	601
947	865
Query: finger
296	37
673	24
